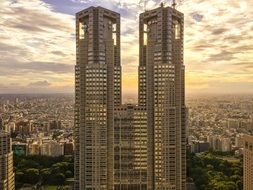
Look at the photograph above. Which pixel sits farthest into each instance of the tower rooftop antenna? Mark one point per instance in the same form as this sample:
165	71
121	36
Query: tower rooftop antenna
144	4
174	4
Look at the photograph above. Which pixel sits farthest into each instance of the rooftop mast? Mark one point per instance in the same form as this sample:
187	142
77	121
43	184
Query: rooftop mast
144	4
174	4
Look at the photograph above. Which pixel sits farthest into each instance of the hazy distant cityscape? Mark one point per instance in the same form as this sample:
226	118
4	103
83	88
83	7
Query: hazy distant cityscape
38	120
29	116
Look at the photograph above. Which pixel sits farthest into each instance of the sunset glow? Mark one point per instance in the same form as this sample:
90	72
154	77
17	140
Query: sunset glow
38	44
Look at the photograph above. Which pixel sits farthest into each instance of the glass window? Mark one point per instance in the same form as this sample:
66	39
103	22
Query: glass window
82	30
177	30
145	39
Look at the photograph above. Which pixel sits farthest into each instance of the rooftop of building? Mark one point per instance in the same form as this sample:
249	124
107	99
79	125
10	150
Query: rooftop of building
150	12
94	8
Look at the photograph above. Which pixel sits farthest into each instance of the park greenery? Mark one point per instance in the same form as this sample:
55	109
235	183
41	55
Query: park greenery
42	170
209	171
213	171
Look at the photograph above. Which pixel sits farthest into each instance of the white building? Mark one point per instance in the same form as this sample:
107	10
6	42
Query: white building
52	148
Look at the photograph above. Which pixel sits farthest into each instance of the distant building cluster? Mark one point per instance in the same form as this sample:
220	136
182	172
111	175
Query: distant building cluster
44	146
24	128
219	123
38	125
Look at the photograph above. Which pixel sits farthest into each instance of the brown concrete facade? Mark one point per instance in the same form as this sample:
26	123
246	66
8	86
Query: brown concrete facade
130	148
161	91
248	163
7	181
125	146
98	90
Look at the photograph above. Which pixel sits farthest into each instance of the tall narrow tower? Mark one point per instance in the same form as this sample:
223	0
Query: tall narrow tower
6	162
98	90
162	92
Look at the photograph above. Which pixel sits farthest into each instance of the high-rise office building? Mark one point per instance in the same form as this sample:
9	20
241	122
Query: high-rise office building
130	148
162	92
98	90
124	146
6	162
248	163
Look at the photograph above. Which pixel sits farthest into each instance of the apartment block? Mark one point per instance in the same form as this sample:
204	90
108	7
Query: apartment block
248	163
7	181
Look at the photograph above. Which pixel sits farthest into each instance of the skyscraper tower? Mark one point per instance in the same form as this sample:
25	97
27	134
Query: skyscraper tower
162	92
98	90
6	162
117	146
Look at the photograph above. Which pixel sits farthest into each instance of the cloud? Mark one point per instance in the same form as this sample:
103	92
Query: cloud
59	53
245	66
197	17
39	84
21	89
15	67
219	31
222	56
218	44
37	42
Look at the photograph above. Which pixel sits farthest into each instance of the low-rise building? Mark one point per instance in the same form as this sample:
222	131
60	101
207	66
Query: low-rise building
52	148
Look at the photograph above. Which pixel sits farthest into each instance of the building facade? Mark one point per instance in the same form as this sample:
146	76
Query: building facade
1	123
248	163
162	92
51	148
127	147
98	90
130	148
6	163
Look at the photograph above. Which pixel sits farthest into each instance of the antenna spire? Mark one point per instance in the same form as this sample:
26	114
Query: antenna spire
144	4
174	4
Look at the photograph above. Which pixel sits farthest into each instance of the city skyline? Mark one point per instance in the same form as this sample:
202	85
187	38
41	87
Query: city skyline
218	52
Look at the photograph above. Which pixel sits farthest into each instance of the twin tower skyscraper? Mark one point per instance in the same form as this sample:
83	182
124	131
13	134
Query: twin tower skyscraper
130	147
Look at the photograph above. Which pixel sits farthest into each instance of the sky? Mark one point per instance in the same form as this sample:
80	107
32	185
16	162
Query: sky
37	44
